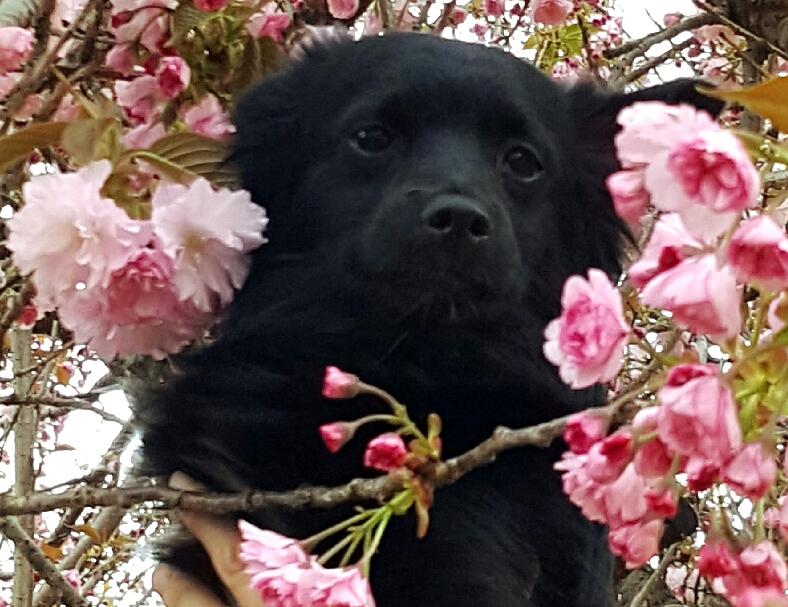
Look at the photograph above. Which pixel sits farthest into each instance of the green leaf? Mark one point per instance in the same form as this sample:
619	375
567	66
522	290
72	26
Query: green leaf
18	12
532	41
92	139
20	144
769	99
260	58
759	146
184	155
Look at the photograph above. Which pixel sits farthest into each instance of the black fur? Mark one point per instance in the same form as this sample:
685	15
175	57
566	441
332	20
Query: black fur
355	275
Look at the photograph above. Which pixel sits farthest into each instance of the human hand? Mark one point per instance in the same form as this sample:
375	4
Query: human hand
222	543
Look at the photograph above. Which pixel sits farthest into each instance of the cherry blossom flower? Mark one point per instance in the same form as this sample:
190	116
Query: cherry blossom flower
345	587
493	8
208	233
339	384
583	430
587	340
173	76
336	435
653	459
636	543
82	240
707	178
208	118
630	197
122	58
144	135
625	498
140	98
702	296
262	549
386	452
281	587
716	559
698	414
751	471
551	12
343	9
583	491
149	26
608	457
16	44
758	252
210	6
670	243
269	22
758	577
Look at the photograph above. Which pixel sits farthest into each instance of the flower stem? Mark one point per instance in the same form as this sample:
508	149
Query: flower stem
313	540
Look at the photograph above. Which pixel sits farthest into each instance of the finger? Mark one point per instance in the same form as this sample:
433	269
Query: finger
179	590
222	541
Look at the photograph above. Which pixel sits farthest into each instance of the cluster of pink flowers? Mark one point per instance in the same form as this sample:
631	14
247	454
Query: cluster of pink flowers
755	576
286	576
130	286
627	480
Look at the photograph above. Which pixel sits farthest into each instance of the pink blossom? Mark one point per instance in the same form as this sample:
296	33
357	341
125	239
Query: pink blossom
16	44
707	178
173	76
670	19
119	6
685	586
630	197
140	98
493	8
663	502
713	33
636	543
608	457
208	118
751	471
343	9
82	240
346	587
210	6
670	243
716	559
122	58
149	26
582	490
759	574
783	520
758	252
701	474
269	23
67	110
625	498
551	12
701	296
386	452
650	128
262	549
209	234
27	317
339	384
144	135
698	414
336	435
587	340
583	430
137	312
281	587
653	459
777	314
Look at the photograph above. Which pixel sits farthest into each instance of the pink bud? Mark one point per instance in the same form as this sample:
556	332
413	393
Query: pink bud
338	385
173	76
386	452
336	435
210	6
583	430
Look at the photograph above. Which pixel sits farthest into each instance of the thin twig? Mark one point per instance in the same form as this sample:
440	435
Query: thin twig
658	574
641	45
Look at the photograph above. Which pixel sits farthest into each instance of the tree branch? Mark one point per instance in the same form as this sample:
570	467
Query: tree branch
641	46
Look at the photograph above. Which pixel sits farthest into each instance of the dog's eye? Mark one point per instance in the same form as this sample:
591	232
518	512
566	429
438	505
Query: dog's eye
523	163
372	139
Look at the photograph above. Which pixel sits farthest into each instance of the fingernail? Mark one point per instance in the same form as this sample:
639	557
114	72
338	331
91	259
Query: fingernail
180	481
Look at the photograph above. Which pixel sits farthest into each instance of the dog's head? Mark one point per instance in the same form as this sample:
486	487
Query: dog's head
433	177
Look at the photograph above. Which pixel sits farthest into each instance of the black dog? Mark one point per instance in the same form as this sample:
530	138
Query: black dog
427	200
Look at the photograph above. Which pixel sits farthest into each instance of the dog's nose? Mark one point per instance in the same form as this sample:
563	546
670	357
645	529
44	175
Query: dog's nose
458	218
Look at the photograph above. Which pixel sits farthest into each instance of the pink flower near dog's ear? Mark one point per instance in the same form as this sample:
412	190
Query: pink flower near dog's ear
343	9
706	178
630	196
16	44
173	76
269	23
386	452
758	252
698	415
551	12
669	244
338	385
583	430
701	296
636	543
345	587
208	233
208	118
586	342
751	471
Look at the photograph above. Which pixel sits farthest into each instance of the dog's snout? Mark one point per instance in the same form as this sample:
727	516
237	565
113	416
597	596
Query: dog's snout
457	218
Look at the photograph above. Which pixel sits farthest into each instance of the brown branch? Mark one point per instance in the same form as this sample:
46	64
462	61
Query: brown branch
641	45
24	544
655	62
659	573
65	405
